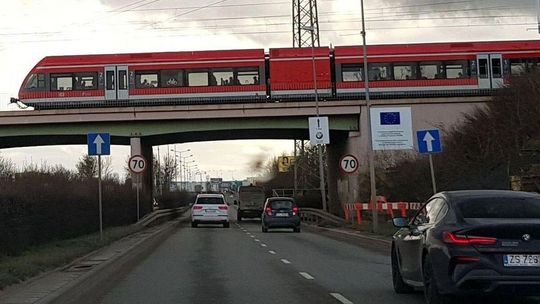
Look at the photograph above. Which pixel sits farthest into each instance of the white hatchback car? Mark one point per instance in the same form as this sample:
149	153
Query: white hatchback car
210	209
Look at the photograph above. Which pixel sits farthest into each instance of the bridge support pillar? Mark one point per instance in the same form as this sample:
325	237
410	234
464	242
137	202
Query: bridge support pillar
138	147
344	188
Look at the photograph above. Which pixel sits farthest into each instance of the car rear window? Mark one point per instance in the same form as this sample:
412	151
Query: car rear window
282	204
500	207
209	201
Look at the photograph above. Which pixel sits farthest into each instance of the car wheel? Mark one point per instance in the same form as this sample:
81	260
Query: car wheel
431	290
297	229
264	229
193	225
226	225
399	285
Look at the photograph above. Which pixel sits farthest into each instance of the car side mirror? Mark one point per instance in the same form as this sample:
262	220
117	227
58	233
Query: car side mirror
400	222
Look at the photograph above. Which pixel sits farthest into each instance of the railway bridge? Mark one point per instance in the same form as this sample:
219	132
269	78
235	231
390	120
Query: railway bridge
144	127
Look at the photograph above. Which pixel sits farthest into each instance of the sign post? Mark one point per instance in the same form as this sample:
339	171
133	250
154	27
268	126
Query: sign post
99	144
429	142
319	135
137	165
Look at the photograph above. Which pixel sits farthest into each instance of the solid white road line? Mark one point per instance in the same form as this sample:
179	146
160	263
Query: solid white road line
271	252
341	298
306	275
285	261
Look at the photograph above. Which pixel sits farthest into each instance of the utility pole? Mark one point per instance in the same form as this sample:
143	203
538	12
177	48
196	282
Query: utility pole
371	157
306	34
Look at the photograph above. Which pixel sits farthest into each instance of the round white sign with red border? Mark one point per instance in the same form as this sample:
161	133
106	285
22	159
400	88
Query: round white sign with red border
137	164
349	164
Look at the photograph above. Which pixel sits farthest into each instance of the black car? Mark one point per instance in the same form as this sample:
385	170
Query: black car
280	212
462	243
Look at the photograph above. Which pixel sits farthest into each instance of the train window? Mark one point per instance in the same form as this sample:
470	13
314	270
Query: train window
431	70
146	79
122	80
379	71
483	68
221	78
171	78
197	79
41	80
32	82
247	77
85	81
404	71
351	73
457	69
496	67
110	80
61	82
518	66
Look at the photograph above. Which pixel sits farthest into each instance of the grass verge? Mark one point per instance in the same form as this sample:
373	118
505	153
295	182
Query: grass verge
55	254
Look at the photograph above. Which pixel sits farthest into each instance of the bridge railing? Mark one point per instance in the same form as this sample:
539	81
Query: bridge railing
320	217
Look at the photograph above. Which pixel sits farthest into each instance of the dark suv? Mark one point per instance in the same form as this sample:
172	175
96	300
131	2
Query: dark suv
280	212
470	243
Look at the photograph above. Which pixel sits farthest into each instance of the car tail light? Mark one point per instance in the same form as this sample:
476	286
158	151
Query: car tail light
294	210
223	208
268	211
197	207
450	238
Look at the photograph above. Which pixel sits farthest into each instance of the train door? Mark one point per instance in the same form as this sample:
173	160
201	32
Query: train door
490	71
116	82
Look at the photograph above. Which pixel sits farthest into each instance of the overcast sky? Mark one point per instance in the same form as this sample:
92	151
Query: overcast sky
32	29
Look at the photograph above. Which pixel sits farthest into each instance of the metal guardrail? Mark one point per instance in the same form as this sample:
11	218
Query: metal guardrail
320	217
161	214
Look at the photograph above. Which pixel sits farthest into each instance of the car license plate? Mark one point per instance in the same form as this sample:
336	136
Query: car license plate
282	214
521	260
210	211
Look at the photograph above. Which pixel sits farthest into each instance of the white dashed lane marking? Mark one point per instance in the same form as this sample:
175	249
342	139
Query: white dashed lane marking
257	240
341	298
306	275
263	245
285	261
271	252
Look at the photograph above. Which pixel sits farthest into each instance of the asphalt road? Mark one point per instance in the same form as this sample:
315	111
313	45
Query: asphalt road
241	264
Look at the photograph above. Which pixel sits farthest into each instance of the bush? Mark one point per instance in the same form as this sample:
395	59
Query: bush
39	206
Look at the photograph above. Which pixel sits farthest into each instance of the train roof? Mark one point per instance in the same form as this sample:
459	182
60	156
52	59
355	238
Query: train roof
440	48
128	58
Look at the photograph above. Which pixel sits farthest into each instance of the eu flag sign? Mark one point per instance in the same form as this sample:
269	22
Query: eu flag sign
390	118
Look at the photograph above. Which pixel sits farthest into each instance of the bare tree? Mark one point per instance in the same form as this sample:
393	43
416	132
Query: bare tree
7	168
87	167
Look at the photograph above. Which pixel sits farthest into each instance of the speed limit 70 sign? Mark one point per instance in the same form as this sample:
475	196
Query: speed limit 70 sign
349	164
137	164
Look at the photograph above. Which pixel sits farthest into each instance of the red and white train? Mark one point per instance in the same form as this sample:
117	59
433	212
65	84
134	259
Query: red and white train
407	70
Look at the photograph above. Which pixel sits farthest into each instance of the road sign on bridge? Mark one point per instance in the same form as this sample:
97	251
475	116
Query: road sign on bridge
99	144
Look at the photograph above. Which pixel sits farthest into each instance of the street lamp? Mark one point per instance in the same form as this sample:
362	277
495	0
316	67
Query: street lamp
185	165
368	106
179	154
311	28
